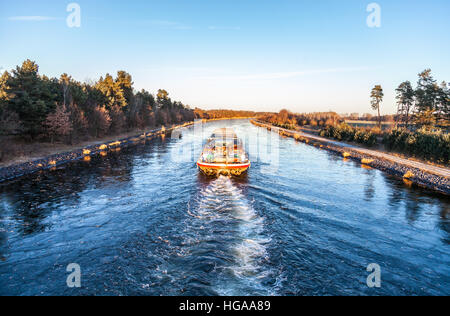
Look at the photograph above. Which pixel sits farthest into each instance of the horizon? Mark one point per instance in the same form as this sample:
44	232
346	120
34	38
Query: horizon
304	57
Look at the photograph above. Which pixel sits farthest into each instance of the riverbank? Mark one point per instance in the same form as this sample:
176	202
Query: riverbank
412	172
29	151
32	164
98	147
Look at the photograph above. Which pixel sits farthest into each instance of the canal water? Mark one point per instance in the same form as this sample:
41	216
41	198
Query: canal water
142	221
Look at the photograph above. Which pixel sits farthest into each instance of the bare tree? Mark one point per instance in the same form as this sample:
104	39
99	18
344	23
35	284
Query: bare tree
58	123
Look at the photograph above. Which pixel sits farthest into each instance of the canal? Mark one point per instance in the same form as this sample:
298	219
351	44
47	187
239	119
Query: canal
142	221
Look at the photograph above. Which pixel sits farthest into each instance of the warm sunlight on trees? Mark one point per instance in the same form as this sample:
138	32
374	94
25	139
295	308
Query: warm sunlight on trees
286	119
405	99
376	99
162	95
426	106
426	119
33	105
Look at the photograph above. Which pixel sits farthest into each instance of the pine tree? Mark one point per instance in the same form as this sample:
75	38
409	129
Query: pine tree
405	99
377	97
112	92
31	96
4	88
426	92
125	83
9	123
162	99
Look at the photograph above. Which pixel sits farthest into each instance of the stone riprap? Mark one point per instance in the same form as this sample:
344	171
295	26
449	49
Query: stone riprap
429	176
19	170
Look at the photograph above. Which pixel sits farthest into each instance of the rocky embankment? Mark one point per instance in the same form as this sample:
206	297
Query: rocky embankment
411	172
15	171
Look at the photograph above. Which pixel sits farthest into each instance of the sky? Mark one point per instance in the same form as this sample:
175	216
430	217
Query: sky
302	55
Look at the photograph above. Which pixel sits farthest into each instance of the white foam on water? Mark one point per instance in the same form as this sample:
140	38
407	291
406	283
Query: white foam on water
223	200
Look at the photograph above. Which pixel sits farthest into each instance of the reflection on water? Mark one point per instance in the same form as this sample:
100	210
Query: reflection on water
369	192
142	221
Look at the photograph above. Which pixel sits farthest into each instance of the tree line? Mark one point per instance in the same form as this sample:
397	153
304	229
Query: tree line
425	106
35	106
223	114
289	120
420	124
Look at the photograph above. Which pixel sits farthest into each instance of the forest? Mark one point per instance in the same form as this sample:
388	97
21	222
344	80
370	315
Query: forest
34	106
36	109
221	114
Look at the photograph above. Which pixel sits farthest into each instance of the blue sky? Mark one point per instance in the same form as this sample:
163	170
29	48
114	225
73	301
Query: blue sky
259	55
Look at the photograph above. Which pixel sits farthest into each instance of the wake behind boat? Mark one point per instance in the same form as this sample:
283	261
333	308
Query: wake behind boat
224	154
